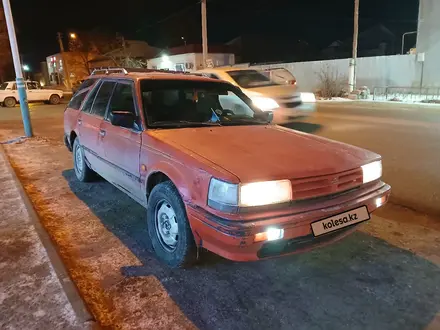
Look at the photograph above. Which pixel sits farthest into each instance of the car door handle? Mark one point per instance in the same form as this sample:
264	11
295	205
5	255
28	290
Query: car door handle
79	122
102	132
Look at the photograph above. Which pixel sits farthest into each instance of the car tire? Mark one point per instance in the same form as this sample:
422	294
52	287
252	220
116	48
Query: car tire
166	214
82	171
10	102
54	99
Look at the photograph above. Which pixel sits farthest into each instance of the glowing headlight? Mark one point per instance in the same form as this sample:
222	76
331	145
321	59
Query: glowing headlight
271	234
372	171
226	196
265	103
265	193
308	97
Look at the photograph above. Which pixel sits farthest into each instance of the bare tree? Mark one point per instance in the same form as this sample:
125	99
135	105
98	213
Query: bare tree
331	82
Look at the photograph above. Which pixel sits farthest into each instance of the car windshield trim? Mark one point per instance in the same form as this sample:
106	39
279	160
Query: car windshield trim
172	103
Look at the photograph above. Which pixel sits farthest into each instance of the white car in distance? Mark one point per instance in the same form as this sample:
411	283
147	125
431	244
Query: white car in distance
281	98
9	94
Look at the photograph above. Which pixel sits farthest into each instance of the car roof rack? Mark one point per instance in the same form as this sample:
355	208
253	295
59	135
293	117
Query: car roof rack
110	70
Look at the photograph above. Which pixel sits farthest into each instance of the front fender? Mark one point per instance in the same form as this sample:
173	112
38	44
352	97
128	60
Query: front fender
180	175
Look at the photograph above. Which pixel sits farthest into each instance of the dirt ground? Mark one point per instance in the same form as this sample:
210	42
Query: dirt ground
386	276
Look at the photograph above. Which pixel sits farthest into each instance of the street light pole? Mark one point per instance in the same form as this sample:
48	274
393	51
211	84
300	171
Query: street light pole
352	68
65	65
18	70
204	34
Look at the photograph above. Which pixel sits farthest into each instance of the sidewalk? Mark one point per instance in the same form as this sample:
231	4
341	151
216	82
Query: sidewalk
31	294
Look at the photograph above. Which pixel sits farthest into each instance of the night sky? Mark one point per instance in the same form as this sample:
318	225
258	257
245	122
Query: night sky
163	22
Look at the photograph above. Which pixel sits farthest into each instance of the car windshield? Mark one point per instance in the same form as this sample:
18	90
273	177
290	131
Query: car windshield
186	103
3	86
251	78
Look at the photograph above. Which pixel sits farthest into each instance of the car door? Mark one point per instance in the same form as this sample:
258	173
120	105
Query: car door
88	131
122	145
32	91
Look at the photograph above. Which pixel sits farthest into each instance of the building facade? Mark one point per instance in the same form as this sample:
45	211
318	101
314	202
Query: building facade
78	65
428	43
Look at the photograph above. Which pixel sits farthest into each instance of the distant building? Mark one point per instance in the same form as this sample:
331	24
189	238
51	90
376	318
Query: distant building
6	68
375	41
428	43
78	65
260	48
190	58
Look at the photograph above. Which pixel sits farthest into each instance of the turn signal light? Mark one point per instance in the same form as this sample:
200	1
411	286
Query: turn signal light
271	234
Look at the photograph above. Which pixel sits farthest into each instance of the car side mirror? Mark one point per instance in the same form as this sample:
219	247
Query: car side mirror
269	116
122	118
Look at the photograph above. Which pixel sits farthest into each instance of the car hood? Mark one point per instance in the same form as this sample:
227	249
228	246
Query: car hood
278	91
254	153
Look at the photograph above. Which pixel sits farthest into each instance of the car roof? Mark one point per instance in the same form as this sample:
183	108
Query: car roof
154	76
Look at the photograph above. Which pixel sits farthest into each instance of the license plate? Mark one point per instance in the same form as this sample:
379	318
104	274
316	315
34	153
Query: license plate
340	221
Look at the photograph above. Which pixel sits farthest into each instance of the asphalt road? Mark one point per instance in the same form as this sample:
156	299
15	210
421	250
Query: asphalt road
386	276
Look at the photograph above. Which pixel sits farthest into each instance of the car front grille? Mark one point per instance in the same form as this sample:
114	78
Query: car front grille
326	185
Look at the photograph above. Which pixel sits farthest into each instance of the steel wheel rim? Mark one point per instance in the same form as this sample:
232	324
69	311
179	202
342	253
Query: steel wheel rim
79	160
166	227
55	98
9	102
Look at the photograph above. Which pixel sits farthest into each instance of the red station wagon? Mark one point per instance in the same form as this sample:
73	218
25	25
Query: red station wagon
211	170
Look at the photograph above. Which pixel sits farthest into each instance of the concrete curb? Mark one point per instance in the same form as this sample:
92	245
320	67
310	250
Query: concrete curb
70	289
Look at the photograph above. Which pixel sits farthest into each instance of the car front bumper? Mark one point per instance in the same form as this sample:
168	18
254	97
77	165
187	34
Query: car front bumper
234	239
282	114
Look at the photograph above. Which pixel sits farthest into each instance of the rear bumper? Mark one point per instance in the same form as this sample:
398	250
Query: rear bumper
234	240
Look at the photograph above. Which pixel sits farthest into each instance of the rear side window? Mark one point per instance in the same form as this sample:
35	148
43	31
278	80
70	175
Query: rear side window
123	98
77	100
86	84
101	101
89	102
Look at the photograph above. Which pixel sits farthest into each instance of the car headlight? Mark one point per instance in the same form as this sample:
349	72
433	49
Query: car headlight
308	97
265	103
372	171
225	196
222	195
265	193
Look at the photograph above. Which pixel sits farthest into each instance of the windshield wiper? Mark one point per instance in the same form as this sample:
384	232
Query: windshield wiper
245	121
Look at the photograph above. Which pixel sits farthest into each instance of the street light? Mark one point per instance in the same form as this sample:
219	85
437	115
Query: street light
26	68
73	35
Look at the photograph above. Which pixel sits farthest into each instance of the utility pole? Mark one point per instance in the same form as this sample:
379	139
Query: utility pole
65	65
204	33
352	68
18	70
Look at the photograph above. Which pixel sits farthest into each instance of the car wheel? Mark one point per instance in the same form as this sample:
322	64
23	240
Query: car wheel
54	99
82	170
9	102
168	227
